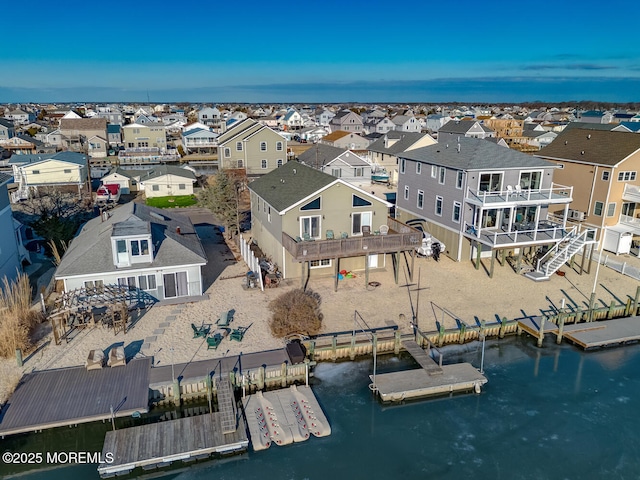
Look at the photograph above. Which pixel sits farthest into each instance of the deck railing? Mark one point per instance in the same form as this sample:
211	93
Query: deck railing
401	237
631	193
555	193
525	234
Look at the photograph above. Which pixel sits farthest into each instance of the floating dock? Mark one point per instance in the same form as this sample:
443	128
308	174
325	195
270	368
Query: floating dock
603	333
430	380
284	416
159	444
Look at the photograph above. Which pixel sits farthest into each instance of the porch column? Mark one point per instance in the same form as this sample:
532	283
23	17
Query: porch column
396	271
493	258
536	218
479	221
565	215
366	270
511	212
478	253
519	261
413	257
337	262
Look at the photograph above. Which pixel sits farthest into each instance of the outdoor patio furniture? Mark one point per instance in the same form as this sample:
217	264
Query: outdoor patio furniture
214	342
307	238
366	230
225	319
329	234
201	331
117	357
95	360
344	235
271	280
384	229
238	334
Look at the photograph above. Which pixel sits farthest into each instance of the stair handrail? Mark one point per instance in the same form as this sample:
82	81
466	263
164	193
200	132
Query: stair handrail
551	252
565	250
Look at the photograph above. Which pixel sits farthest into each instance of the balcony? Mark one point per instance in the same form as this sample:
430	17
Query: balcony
400	237
516	196
521	234
631	193
633	223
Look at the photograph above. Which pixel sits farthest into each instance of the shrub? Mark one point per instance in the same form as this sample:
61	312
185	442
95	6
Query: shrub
297	311
17	319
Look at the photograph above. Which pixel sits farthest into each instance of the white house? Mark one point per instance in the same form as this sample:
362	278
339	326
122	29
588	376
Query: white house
199	140
153	250
167	180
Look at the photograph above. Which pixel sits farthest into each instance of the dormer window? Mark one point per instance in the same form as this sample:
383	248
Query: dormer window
139	247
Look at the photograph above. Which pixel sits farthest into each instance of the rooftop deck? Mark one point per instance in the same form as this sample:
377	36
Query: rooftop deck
504	198
401	237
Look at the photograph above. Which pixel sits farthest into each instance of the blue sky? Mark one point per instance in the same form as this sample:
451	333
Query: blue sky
320	51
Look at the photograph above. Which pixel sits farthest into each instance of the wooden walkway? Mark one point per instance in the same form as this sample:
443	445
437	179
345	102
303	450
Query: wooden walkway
430	380
604	333
69	396
160	444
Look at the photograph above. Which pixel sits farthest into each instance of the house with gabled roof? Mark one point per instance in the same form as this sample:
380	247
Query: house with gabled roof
77	131
384	152
167	180
406	123
10	257
7	130
127	180
484	200
251	146
347	121
338	162
346	140
602	166
312	224
199	140
450	131
156	251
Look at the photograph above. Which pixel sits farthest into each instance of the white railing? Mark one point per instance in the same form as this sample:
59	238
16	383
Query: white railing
515	236
631	193
629	220
564	250
555	192
250	259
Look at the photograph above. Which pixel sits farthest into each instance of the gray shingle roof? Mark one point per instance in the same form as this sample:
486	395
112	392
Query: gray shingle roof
90	251
4	178
6	123
320	154
405	140
289	184
474	154
597	147
70	157
167	170
458	126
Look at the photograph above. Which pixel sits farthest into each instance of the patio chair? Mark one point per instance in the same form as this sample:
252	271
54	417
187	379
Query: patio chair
238	334
518	189
95	360
201	331
307	238
344	235
225	319
117	357
329	234
509	191
384	229
214	342
366	230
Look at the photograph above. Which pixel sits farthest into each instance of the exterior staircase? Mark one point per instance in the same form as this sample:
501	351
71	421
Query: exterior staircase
561	253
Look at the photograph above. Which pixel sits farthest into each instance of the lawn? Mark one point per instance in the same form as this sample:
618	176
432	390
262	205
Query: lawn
174	201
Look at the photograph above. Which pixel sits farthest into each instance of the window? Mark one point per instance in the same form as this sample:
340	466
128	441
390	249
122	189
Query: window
336	172
457	208
402	165
490	182
312	205
127	282
263	146
279	163
143	144
227	152
325	262
439	205
420	202
130	145
406	192
530	180
628	208
418	168
269	214
605	176
459	179
240	163
434	171
279	146
310	226
263	164
357	201
611	209
626	176
239	146
442	175
35	172
67	170
175	285
597	208
147	282
155	188
358	172
358	220
139	247
182	186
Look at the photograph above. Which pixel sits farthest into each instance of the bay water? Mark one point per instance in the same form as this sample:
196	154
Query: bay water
546	413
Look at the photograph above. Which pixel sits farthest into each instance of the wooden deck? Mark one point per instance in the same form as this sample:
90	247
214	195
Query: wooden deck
604	333
160	444
68	396
428	381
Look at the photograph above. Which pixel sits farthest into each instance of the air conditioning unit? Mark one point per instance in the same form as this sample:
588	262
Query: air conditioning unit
577	215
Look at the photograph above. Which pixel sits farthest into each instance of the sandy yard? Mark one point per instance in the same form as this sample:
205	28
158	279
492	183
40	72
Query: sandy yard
165	332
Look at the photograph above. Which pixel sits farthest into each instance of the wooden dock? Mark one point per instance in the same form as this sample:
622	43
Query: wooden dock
69	396
537	327
430	380
604	333
158	445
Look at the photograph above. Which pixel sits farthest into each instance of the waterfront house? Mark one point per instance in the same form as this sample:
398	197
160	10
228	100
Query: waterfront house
97	147
347	121
323	117
482	199
126	179
310	223
199	140
252	147
211	117
156	251
114	135
10	244
77	131
62	169
450	131
602	166
338	162
7	130
167	180
384	152
20	117
112	114
23	144
292	120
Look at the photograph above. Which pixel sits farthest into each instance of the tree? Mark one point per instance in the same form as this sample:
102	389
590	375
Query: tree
223	199
297	311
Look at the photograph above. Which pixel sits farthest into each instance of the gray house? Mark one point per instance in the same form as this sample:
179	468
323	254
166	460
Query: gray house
347	121
338	162
7	129
450	131
482	199
150	249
